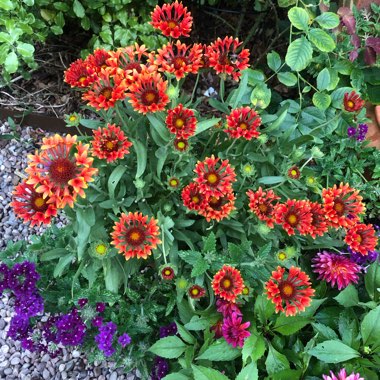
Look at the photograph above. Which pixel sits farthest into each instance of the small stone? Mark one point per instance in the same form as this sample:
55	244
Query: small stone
64	375
5	349
113	376
2	324
46	358
97	371
75	354
46	374
4	364
8	371
70	365
15	360
61	367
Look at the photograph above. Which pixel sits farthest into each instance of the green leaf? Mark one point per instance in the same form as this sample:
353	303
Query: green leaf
254	348
261	95
185	335
249	372
287	374
204	373
321	101
176	376
141	153
54	254
158	130
263	308
206	124
372	280
328	20
220	351
114	179
270	180
200	267
299	18
113	275
209	243
170	347
26	50
275	361
62	264
78	9
323	79
7	5
299	54
191	257
286	3
333	351
324	331
106	36
90	123
197	323
282	112
289	325
239	93
370	328
348	297
287	78
11	62
322	40
274	61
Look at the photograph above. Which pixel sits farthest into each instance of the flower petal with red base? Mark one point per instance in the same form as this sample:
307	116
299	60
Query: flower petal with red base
79	74
243	122
352	102
192	198
318	220
181	121
228	283
218	208
98	59
361	238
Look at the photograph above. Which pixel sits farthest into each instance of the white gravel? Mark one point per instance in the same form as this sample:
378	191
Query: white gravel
16	363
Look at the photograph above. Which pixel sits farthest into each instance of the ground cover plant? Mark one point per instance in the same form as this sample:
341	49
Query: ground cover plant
230	235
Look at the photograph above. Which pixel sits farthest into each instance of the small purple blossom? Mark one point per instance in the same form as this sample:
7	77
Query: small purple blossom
19	327
29	305
49	329
82	302
160	368
71	329
351	131
100	307
124	340
105	337
97	321
362	260
23	278
168	330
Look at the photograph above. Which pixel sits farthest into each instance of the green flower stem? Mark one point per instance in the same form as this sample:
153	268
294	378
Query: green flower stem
306	162
195	88
163	246
222	88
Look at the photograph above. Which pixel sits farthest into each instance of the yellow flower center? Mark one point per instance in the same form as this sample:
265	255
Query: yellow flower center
173	182
226	283
245	291
294	172
110	145
281	256
172	24
195	199
339	207
292	219
150	96
214	200
195	292
287	290
179	123
82	79
350	103
135	236
263	207
72	118
181	145
243	126
247	168
101	249
107	93
168	272
359	239
39	202
212	178
310	180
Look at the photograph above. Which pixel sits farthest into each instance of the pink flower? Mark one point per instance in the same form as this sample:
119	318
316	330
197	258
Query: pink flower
227	308
336	269
343	376
234	332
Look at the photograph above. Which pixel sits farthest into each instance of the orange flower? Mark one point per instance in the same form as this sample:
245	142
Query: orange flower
79	74
293	215
291	294
218	208
181	121
196	292
192	198
223	57
262	205
228	283
361	238
98	59
342	205
61	170
135	236
215	176
294	172
148	93
31	206
243	122
172	19
107	90
179	59
110	143
318	220
352	102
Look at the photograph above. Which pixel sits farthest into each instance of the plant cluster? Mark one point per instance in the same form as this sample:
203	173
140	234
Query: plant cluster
236	246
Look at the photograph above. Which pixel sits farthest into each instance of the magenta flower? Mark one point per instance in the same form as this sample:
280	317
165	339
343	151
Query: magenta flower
336	269
343	376
234	332
227	308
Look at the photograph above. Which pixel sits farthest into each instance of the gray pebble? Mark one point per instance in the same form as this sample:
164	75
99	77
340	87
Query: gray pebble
46	374
113	376
15	360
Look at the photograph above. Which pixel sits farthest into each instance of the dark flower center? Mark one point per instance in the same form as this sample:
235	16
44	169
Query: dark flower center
179	62
292	219
62	170
149	97
226	283
135	236
243	125
286	289
133	66
172	24
107	92
110	146
212	178
38	203
339	206
263	207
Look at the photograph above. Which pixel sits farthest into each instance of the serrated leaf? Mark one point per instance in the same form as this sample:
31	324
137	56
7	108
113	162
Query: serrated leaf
287	78
274	61
197	323
333	351
324	331
209	243
254	348
191	257
328	20
199	268
220	351
170	347
323	79
321	100
322	40
275	361
204	373
299	18
299	54
289	325
348	297
184	334
250	372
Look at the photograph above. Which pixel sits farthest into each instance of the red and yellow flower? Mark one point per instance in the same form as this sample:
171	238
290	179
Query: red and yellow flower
135	236
107	90
291	293
98	59
129	58
352	102
192	198
79	74
294	214
167	273
228	283
243	122
218	208
294	172
361	238
215	176
342	205
147	93
31	206
110	143
179	59
61	170
172	19
318	220
181	121
180	144
196	292
262	204
223	57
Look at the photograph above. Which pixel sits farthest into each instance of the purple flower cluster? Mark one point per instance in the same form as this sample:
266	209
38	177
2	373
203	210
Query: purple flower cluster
105	338
168	330
70	329
124	340
358	133
160	368
358	258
